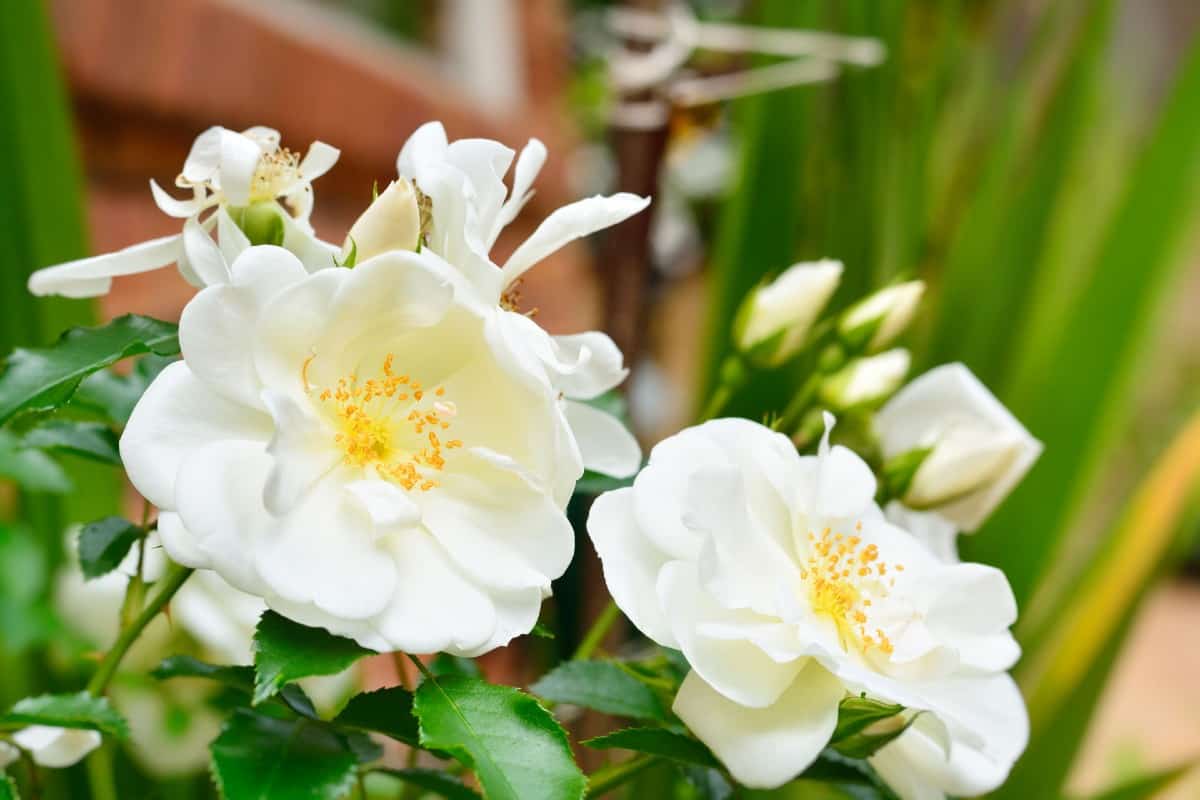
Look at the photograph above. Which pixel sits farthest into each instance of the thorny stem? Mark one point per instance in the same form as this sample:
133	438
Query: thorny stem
598	631
168	586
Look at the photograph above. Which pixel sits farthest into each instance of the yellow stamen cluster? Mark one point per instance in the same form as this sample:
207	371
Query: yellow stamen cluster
372	421
275	174
843	575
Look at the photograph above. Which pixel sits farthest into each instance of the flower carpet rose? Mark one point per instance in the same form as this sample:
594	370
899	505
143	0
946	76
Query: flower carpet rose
788	590
361	450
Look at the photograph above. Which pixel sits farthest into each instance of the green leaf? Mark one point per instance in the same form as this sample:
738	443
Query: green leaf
602	686
240	678
431	780
446	664
709	783
45	378
262	758
285	651
658	742
8	788
515	747
113	395
596	483
91	440
104	543
388	711
80	710
1096	350
31	470
1146	786
1063	678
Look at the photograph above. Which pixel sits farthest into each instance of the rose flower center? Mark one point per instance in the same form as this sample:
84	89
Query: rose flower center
390	422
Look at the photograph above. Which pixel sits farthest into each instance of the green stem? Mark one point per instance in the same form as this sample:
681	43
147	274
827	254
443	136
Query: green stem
799	404
606	779
598	631
717	402
168	586
35	776
101	780
421	666
733	376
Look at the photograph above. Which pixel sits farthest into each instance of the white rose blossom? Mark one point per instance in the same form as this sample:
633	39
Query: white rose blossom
56	747
779	578
245	173
362	449
978	451
470	206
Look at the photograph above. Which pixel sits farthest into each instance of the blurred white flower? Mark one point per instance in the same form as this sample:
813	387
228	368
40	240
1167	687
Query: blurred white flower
8	754
259	190
977	451
56	747
469	207
391	222
171	724
879	319
775	318
363	450
866	381
779	578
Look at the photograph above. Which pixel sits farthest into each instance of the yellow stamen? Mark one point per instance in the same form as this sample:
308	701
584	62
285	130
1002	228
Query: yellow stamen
374	431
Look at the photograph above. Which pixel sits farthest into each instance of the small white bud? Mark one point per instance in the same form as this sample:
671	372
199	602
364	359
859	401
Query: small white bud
866	382
775	318
56	747
962	460
882	316
391	222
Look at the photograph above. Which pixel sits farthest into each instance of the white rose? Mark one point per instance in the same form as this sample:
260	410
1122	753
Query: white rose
775	318
247	173
978	451
779	578
470	206
883	316
56	747
362	450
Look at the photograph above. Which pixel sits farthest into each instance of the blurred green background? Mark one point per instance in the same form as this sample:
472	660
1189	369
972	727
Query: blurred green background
1037	163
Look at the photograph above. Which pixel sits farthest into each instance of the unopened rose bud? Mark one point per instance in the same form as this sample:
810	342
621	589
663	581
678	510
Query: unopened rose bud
775	318
974	451
866	382
876	322
391	222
